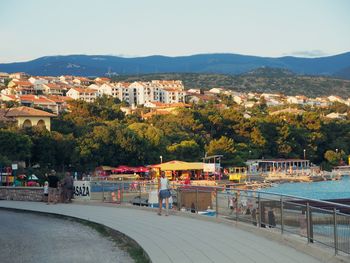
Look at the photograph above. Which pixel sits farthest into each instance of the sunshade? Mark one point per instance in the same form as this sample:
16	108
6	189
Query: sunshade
179	166
33	177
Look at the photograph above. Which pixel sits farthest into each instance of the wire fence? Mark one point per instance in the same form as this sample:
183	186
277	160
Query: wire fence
317	221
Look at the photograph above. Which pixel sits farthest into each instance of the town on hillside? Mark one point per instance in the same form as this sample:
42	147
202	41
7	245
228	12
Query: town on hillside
159	96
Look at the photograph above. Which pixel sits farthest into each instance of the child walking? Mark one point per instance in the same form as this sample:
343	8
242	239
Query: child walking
46	192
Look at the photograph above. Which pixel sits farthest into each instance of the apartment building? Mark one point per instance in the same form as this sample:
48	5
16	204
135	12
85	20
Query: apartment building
108	89
88	95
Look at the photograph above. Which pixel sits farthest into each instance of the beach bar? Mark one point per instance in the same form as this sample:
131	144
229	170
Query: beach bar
292	166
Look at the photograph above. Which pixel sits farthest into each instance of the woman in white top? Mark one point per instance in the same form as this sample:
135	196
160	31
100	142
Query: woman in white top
164	193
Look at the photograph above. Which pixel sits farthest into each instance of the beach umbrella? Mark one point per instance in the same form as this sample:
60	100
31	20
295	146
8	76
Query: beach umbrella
22	176
141	170
33	177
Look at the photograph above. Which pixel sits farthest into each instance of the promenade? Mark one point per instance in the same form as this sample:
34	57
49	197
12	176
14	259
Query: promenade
183	239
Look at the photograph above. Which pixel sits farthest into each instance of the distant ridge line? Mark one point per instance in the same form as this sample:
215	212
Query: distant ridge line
216	63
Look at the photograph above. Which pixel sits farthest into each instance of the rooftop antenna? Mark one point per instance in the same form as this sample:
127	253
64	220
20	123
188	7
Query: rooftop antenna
109	73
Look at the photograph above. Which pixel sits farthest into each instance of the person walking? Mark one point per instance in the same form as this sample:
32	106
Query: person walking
68	187
46	191
53	187
231	204
163	193
271	219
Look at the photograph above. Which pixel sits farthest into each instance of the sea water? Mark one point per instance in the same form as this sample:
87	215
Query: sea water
315	190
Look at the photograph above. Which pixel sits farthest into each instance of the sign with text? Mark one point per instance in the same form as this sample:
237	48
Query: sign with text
82	190
209	167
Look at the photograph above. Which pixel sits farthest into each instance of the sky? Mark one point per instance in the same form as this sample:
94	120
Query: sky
271	28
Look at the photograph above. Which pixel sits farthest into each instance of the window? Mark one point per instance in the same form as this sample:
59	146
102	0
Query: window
27	123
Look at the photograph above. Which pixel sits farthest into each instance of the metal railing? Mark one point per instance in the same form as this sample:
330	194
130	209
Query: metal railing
318	221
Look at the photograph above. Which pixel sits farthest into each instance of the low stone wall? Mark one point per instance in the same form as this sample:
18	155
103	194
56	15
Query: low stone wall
22	193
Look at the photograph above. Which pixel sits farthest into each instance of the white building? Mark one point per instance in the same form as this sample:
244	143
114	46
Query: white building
172	96
55	88
195	91
139	93
123	91
216	90
88	95
336	115
108	89
38	83
136	93
164	91
333	98
296	100
3	77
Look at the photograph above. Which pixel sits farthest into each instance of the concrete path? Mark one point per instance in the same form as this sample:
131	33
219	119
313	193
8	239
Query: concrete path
177	238
36	238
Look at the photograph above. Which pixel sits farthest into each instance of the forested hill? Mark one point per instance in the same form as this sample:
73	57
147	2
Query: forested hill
260	80
233	64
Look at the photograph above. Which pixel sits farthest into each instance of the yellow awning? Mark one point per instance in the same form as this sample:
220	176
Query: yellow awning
179	165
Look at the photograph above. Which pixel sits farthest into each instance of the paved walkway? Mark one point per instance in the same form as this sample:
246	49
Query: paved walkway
178	238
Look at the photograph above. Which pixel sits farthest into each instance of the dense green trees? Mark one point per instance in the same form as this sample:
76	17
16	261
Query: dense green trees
93	134
14	146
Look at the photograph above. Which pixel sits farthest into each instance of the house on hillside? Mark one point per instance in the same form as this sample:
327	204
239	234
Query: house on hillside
336	116
38	83
239	99
301	100
38	101
197	98
171	95
20	87
28	117
287	111
55	88
100	80
108	89
66	79
216	90
19	75
333	98
6	97
61	102
140	93
82	81
88	95
3	77
159	108
194	91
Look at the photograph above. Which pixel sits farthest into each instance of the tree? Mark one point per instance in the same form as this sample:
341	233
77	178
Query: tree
334	158
15	146
106	108
185	150
43	150
223	146
153	138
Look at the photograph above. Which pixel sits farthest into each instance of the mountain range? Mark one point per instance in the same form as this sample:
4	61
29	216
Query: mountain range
337	66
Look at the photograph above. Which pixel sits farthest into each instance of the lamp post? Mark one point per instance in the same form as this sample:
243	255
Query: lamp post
161	159
336	150
304	154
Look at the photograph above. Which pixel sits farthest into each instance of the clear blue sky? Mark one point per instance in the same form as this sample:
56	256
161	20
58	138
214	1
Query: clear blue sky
35	28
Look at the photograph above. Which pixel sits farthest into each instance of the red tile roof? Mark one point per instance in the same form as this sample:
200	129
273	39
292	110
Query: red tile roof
27	112
36	99
12	97
102	79
57	98
82	90
23	83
